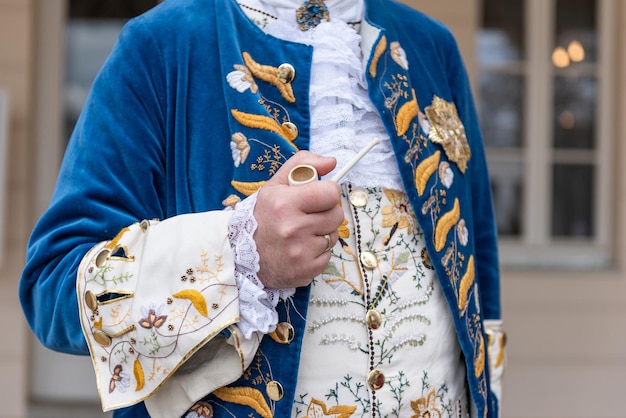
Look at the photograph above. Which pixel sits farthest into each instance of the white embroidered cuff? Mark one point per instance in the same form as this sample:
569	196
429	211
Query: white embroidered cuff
496	338
148	301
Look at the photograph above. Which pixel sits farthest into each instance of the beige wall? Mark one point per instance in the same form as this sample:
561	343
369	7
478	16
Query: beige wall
16	69
567	330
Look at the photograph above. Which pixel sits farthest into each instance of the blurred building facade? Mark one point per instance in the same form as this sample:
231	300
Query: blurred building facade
550	81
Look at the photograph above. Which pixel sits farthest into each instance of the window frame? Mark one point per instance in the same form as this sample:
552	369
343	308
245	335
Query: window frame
535	246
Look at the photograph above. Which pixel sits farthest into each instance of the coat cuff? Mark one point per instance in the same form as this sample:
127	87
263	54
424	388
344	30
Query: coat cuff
151	298
220	362
496	338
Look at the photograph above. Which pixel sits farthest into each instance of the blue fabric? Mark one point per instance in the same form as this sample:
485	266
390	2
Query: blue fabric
153	141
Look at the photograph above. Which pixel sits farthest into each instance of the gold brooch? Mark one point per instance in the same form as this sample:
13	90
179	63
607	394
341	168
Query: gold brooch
447	130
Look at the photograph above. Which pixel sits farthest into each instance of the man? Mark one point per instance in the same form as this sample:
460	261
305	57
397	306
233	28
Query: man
175	252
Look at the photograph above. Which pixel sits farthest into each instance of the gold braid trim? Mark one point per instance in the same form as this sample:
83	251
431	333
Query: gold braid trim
406	114
378	52
445	223
269	74
264	122
424	170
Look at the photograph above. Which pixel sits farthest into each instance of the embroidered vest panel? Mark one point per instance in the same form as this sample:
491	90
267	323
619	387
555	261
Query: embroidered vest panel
380	340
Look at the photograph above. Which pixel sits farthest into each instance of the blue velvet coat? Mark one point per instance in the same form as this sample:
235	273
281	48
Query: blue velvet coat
153	141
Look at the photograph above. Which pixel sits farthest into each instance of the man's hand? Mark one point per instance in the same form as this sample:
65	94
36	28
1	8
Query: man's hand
292	224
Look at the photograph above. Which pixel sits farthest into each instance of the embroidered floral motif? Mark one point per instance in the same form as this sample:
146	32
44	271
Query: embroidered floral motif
399	55
380	49
152	317
266	123
200	409
239	147
318	409
241	79
245	396
398	213
426	407
344	231
448	131
120	380
270	75
424	171
446	175
462	232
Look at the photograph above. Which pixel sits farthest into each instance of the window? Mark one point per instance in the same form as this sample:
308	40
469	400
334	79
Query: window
91	30
543	94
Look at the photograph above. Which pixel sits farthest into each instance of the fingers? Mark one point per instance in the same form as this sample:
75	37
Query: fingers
323	165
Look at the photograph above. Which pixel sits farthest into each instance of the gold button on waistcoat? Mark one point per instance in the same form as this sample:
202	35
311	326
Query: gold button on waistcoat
374	319
286	73
284	333
369	260
274	390
358	198
376	379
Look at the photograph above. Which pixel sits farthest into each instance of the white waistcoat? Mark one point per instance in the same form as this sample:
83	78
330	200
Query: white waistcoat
380	340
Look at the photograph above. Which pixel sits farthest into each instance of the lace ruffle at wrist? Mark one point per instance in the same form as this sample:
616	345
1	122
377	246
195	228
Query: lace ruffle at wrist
257	304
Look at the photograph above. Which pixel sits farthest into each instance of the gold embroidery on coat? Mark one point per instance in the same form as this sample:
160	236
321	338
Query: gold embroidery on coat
479	362
466	283
406	114
264	122
447	130
231	201
245	396
270	75
425	170
247	188
378	52
445	223
240	148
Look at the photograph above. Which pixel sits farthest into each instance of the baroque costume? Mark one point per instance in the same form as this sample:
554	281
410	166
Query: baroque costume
150	226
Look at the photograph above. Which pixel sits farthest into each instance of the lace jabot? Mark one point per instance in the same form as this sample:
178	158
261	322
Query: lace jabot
343	119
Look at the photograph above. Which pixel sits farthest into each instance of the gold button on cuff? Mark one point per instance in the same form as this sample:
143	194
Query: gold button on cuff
374	319
286	73
284	333
91	301
376	379
369	260
102	338
102	258
105	339
358	198
274	390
